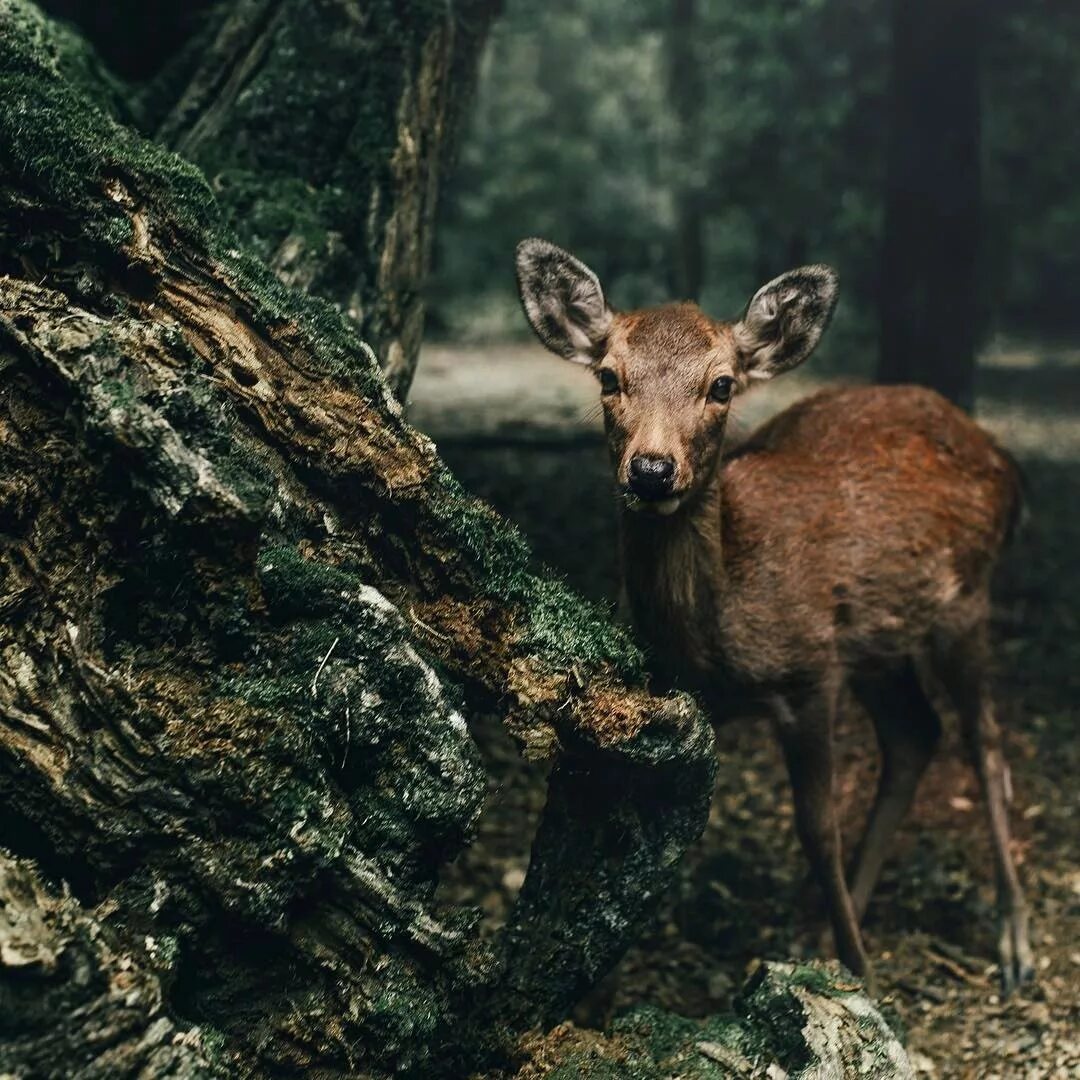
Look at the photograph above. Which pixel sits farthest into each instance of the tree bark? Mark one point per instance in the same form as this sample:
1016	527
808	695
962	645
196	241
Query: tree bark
928	306
245	612
324	126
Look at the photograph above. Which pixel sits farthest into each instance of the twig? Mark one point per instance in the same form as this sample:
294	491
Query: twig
973	964
931	992
315	681
348	737
424	626
953	968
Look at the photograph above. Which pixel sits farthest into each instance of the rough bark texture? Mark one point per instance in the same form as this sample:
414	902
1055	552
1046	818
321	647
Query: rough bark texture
72	994
929	311
804	1022
323	125
245	610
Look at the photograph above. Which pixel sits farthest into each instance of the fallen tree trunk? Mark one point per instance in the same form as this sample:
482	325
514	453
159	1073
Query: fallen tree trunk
245	612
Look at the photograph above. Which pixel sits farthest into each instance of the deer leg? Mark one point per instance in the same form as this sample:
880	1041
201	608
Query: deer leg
908	730
964	670
804	725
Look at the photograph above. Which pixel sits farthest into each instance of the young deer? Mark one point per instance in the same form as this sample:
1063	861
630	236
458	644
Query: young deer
848	544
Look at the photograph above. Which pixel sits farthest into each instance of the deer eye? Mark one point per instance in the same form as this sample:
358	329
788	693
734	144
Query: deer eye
609	381
721	389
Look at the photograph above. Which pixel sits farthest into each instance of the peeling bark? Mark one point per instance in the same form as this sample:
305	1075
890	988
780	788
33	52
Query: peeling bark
246	614
72	994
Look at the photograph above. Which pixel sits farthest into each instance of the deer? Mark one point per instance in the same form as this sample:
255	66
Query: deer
847	547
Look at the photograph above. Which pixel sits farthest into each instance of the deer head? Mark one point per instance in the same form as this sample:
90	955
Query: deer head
668	374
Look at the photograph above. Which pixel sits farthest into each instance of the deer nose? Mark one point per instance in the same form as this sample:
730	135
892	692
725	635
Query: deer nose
651	477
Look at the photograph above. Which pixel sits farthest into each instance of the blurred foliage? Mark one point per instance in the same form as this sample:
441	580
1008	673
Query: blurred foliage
573	138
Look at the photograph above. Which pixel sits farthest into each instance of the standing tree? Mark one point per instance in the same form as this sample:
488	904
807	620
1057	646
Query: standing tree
324	128
928	304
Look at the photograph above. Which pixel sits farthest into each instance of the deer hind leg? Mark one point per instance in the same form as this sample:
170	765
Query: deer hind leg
908	730
964	670
804	725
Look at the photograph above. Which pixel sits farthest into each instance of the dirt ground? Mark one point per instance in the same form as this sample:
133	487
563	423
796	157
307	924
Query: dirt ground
520	429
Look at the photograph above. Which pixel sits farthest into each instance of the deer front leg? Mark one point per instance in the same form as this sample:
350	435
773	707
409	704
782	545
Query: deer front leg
804	726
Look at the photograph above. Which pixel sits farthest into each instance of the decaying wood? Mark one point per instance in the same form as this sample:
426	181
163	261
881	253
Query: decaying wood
72	993
325	127
803	1022
246	614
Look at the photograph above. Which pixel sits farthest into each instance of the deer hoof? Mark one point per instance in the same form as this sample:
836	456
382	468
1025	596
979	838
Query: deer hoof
1014	950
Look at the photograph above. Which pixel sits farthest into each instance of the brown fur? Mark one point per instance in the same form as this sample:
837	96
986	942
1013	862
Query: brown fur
849	542
848	545
858	527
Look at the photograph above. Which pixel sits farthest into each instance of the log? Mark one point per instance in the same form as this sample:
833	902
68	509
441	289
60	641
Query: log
246	616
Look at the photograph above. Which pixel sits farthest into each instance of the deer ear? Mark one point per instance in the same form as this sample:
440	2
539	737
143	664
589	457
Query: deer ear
563	301
785	320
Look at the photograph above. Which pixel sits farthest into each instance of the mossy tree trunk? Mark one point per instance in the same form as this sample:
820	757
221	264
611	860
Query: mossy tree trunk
324	127
246	614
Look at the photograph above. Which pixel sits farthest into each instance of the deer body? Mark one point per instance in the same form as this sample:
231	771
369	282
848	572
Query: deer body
848	546
822	548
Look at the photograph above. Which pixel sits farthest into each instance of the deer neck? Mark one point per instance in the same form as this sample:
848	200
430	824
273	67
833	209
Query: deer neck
673	571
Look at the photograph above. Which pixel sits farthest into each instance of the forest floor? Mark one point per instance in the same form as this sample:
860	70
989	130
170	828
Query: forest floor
520	429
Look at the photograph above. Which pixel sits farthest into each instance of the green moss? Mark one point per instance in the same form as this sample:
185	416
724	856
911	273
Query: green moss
563	628
672	1041
819	980
415	778
663	1033
66	153
265	209
297	586
774	1018
54	45
569	630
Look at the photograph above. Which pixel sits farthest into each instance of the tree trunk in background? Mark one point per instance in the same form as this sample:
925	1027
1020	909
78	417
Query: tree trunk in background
685	92
929	308
324	127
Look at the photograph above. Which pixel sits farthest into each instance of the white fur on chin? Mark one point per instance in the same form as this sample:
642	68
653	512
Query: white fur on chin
662	507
